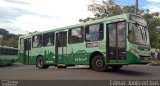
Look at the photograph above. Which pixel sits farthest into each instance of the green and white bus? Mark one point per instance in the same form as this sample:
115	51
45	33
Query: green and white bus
8	55
109	42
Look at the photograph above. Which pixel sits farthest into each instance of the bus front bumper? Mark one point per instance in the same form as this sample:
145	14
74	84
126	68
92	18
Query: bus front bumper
145	59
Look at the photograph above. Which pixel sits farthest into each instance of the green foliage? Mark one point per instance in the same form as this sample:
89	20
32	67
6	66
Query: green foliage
107	8
153	21
9	39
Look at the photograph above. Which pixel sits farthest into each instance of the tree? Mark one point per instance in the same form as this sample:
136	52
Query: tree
9	39
107	8
104	8
4	33
153	21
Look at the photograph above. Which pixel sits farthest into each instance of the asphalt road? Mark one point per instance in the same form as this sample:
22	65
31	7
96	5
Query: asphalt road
30	72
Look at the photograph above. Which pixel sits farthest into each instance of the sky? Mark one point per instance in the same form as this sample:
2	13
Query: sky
24	16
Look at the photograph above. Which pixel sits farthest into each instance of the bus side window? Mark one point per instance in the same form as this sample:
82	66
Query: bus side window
37	41
21	44
45	39
75	35
51	41
9	51
94	32
29	44
48	39
0	51
15	52
5	51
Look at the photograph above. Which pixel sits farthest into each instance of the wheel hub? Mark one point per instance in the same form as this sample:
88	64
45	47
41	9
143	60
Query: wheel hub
99	63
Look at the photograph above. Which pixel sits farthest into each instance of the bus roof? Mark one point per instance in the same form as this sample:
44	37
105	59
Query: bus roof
122	16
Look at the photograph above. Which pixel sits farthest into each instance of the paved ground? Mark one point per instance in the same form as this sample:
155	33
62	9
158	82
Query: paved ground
30	72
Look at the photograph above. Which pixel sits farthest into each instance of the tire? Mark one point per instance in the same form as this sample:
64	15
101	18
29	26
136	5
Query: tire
98	63
116	67
40	63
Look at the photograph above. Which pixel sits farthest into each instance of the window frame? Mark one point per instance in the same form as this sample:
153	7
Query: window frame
21	47
70	35
49	38
41	41
100	27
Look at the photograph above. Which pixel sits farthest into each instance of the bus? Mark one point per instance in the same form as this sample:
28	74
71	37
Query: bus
109	42
8	55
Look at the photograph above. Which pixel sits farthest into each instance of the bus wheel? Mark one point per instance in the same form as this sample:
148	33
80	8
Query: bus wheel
116	67
98	63
40	63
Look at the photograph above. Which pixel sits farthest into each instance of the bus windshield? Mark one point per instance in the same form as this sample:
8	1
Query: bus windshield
138	34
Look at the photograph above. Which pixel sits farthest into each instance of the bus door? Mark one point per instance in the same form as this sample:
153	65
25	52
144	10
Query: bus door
61	48
27	50
116	37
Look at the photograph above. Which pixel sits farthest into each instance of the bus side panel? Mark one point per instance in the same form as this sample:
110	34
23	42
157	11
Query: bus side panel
7	59
21	57
49	55
35	52
4	60
77	54
131	58
46	52
80	53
